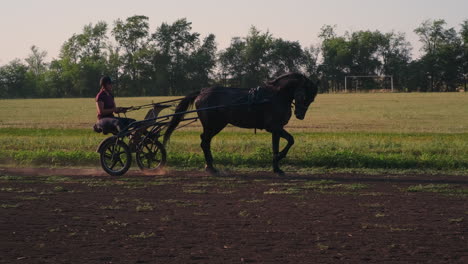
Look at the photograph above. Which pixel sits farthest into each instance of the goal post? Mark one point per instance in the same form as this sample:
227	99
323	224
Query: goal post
367	76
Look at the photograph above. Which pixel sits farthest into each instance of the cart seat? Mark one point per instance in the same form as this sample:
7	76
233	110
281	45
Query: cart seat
154	112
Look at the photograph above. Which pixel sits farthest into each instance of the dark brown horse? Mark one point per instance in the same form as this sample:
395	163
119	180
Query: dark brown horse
267	107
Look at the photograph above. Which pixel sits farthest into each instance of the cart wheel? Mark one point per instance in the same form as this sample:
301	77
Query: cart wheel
115	157
151	154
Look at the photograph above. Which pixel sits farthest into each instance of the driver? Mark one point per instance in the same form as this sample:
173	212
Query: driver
105	104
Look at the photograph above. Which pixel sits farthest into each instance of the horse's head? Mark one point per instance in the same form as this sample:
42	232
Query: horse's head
304	95
296	87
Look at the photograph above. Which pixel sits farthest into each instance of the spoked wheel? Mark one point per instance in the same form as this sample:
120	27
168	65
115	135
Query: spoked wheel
151	154
115	156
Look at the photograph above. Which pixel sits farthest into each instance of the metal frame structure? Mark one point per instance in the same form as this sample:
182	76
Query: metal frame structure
141	138
116	151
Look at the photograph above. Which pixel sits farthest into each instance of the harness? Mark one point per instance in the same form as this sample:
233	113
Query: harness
256	96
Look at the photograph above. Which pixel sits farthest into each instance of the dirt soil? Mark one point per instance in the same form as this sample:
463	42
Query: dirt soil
84	216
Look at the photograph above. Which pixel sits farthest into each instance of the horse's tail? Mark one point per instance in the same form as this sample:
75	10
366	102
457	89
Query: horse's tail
186	102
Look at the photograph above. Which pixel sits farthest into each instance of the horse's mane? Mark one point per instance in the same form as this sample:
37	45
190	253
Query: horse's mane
286	75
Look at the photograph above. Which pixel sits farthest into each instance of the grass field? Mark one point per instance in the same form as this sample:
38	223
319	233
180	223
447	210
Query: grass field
421	132
398	112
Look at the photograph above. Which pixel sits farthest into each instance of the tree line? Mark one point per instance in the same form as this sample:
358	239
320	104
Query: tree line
174	60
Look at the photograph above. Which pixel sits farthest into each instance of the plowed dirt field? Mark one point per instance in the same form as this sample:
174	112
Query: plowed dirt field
83	216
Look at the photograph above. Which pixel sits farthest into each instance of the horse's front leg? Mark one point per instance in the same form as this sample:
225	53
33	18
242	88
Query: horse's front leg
277	156
275	137
289	138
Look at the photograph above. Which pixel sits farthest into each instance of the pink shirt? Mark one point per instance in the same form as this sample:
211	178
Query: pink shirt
108	100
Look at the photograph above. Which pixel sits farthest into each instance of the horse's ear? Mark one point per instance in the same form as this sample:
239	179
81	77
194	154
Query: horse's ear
314	80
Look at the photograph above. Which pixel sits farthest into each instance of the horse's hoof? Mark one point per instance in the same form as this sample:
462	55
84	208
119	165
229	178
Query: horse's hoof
281	156
212	171
279	172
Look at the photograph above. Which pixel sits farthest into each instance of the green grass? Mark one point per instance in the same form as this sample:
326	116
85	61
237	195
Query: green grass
397	112
7	206
144	207
117	223
61	113
456	220
283	191
194	191
143	235
244	150
447	189
110	207
322	186
331	150
421	132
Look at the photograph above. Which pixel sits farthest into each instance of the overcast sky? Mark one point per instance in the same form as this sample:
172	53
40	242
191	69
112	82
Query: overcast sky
49	23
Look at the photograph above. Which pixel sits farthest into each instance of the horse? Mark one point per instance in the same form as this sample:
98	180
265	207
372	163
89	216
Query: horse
265	107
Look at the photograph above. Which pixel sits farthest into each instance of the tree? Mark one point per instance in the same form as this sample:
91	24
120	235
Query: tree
174	60
327	32
81	62
311	56
442	55
286	56
13	80
362	53
395	55
247	60
201	63
464	37
184	61
93	41
113	65
258	49
36	61
232	62
132	36
363	47
175	42
259	56
37	67
336	59
58	80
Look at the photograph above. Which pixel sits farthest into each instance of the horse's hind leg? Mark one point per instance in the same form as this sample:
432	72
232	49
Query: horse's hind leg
206	138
